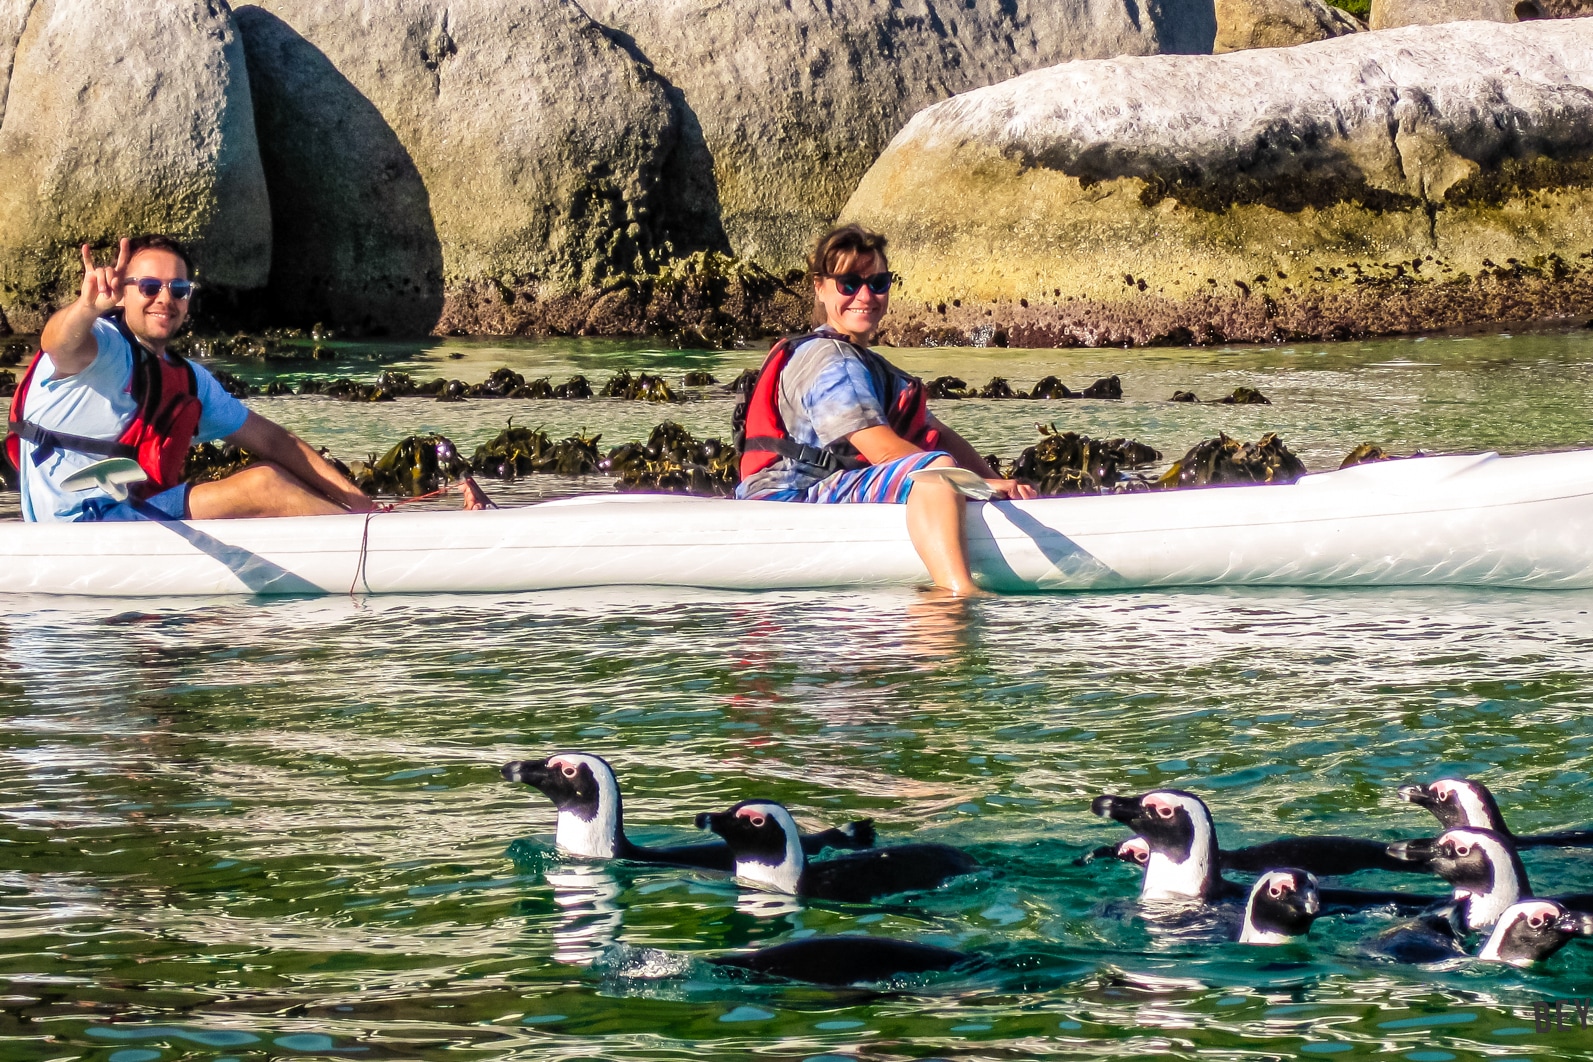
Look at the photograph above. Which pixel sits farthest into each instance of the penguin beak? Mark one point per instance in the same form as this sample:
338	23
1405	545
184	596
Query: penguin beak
717	821
530	772
1576	924
1416	794
1422	850
1117	808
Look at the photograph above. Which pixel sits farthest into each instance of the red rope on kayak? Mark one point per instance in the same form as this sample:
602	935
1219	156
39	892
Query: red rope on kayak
388	507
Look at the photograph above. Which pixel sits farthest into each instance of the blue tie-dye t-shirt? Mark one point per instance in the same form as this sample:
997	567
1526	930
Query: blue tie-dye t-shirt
826	394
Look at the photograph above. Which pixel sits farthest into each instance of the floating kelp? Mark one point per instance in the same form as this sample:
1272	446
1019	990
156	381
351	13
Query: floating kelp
643	386
8	383
576	387
1364	454
232	385
1225	460
522	451
15	353
947	387
1107	387
275	345
210	461
1242	396
743	384
672	462
698	378
420	464
1069	463
996	388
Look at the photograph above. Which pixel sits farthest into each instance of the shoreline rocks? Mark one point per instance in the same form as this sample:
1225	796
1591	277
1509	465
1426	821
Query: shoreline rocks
1407	180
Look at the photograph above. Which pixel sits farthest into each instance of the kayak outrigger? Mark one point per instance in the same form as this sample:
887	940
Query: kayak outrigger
1467	520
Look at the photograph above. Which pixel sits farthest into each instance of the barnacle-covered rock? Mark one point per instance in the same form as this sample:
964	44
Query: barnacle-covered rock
1224	460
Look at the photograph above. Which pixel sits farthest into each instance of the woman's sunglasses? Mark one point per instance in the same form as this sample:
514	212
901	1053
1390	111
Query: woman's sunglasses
149	287
852	283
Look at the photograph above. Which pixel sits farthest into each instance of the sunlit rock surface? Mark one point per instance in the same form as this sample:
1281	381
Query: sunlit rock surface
116	117
1378	182
783	106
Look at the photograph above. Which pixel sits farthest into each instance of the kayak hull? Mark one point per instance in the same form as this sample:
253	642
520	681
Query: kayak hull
1472	520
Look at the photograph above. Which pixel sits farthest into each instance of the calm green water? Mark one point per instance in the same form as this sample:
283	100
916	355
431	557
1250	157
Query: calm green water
276	829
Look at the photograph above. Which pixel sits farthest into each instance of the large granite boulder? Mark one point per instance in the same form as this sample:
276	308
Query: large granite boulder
1243	24
1391	14
784	106
457	165
122	116
1378	182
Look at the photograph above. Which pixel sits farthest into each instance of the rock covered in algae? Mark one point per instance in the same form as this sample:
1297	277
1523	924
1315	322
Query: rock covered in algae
1373	183
1223	460
118	118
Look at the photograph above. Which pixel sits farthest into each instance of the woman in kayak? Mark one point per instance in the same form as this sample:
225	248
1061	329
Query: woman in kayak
832	421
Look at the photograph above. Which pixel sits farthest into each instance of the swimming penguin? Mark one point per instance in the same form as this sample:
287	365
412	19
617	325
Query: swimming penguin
1321	856
845	960
1481	866
763	837
1180	848
1532	930
1282	905
583	788
1462	802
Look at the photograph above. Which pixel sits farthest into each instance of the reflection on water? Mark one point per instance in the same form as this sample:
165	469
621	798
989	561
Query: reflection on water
251	828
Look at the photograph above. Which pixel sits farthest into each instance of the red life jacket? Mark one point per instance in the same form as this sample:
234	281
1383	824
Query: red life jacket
157	436
766	439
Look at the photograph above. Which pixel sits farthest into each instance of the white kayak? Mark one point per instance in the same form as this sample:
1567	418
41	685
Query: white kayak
1472	520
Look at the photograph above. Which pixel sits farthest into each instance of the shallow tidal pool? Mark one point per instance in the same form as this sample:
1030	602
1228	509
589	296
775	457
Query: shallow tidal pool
253	829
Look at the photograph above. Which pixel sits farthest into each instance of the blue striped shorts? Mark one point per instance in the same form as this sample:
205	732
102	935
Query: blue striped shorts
885	484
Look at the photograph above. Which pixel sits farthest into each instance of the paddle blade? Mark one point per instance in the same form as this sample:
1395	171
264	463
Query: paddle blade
112	475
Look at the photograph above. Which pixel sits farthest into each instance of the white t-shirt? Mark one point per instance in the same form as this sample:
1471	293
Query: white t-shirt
97	403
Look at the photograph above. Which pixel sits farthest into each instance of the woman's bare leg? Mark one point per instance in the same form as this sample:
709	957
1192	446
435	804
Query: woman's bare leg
935	518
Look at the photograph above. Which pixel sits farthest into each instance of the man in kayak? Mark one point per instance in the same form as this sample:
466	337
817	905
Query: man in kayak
832	421
105	386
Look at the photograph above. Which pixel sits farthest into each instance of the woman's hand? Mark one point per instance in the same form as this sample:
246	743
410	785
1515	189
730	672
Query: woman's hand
1012	488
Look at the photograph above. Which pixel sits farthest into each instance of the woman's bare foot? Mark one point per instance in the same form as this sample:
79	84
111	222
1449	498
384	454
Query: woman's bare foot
475	497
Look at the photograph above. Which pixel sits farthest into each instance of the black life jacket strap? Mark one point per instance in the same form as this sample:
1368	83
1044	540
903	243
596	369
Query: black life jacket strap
46	442
828	460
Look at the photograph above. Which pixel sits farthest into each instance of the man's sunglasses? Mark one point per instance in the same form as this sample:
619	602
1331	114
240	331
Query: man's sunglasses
852	283
149	287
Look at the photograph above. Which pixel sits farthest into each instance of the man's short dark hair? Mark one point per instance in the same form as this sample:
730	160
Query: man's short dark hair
154	241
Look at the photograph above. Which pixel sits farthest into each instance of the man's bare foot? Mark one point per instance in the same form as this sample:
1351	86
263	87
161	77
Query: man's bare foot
475	497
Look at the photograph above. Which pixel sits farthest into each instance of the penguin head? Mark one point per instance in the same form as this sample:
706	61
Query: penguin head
1481	866
583	788
1457	802
765	840
1182	864
1532	930
1282	906
1135	850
